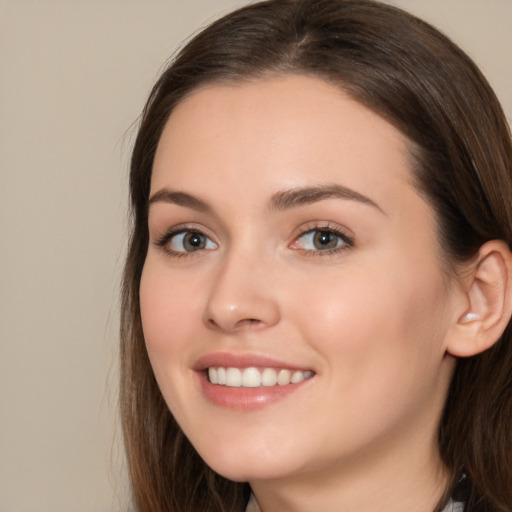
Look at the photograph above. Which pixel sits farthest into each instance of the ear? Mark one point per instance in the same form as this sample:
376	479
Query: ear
488	288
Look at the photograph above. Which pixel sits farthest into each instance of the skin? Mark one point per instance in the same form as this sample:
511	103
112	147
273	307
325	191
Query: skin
371	319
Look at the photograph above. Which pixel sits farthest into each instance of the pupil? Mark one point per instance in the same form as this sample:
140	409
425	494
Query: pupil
194	241
325	240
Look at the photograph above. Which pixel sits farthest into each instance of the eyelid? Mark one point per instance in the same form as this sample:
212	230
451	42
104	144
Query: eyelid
162	241
348	240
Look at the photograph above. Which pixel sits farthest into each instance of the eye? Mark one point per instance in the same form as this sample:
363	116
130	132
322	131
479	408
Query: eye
322	240
186	241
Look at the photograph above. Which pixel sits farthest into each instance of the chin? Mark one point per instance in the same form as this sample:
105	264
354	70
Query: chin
249	474
248	469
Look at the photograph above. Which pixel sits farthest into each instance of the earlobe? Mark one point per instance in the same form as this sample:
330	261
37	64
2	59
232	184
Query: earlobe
489	293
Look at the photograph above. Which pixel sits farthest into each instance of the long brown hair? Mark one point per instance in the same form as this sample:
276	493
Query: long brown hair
409	73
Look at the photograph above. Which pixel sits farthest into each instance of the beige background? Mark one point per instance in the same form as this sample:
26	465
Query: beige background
73	78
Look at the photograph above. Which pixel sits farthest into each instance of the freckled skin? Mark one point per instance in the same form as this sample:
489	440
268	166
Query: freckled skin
371	319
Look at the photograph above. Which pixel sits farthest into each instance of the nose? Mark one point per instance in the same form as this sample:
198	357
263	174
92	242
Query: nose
242	296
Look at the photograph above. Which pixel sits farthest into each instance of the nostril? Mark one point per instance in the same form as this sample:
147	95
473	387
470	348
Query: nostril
244	323
248	322
211	323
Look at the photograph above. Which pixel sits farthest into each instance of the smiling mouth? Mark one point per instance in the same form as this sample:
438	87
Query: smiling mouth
253	377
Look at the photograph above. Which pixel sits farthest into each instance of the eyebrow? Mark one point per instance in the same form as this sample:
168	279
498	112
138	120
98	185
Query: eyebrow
283	200
308	195
179	198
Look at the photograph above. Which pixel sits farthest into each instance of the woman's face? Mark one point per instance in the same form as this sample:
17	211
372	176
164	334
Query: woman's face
291	258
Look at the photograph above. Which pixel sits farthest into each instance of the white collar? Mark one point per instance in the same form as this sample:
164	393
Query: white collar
451	506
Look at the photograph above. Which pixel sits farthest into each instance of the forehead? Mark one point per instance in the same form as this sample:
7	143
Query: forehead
287	130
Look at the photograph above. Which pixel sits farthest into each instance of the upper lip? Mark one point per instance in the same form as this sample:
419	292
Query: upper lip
246	360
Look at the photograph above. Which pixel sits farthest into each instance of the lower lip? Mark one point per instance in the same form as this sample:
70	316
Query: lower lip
246	399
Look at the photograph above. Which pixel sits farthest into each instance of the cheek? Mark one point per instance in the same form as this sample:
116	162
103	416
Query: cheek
166	309
383	361
169	313
371	323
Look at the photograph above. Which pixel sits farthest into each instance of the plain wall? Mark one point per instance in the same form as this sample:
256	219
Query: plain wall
73	78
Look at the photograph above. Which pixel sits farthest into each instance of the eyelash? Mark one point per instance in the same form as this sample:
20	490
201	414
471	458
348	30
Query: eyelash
165	239
348	242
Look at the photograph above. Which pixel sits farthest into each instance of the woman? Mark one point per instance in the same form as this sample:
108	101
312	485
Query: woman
317	298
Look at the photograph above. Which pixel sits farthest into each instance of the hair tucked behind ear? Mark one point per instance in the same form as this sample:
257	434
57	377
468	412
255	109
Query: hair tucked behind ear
461	155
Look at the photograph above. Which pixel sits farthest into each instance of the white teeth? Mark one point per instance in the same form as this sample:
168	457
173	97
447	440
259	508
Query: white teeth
283	377
297	377
253	377
221	375
233	377
269	377
213	375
